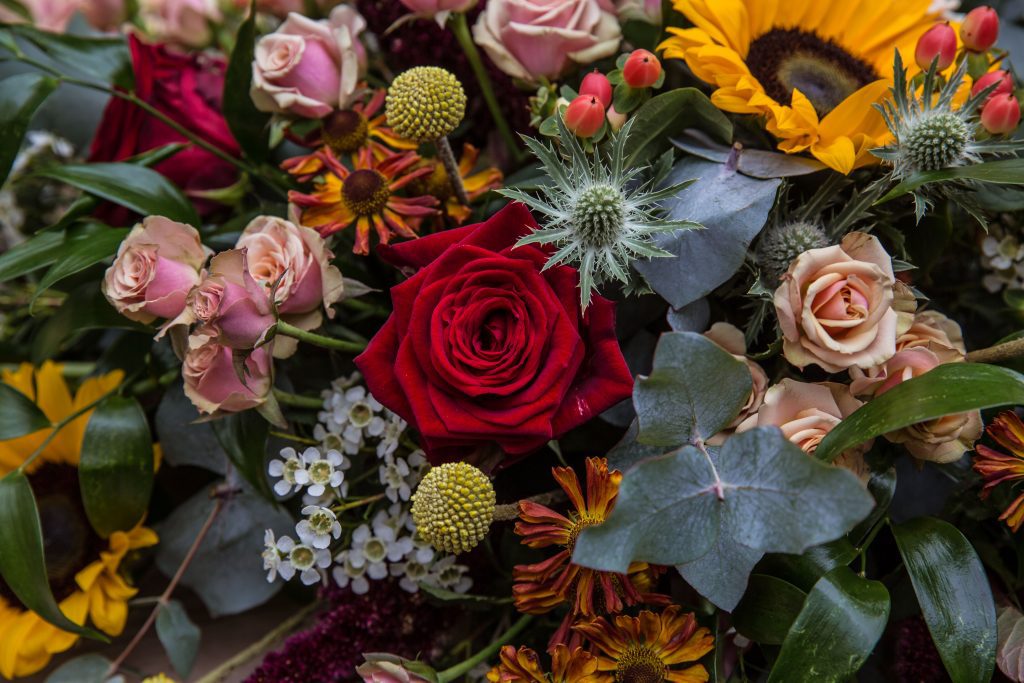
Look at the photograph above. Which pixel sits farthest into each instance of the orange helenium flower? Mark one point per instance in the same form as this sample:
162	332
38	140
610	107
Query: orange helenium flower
347	131
477	184
651	646
997	468
567	666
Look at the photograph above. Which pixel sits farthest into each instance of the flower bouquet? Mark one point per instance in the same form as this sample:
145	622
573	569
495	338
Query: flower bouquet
536	341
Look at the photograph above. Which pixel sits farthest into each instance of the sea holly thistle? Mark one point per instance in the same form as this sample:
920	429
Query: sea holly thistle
600	215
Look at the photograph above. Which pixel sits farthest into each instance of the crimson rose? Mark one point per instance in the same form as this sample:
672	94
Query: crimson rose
484	347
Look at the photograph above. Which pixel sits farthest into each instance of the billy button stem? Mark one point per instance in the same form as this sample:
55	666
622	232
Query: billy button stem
425	104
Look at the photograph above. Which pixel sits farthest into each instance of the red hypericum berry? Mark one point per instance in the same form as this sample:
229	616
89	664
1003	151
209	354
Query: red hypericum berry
596	84
938	41
642	69
980	29
584	116
1000	115
1001	77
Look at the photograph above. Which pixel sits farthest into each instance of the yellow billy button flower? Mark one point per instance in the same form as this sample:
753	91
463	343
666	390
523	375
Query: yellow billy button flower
453	507
425	103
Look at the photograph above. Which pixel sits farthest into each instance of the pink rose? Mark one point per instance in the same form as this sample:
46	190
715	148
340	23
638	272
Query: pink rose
212	382
731	338
806	413
382	671
835	306
432	7
530	39
231	305
180	22
279	8
105	15
309	68
48	15
156	266
648	11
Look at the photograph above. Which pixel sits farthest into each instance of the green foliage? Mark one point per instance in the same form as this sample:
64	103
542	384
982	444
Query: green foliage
179	636
769	609
20	97
81	252
91	668
669	114
1001	172
243	436
249	125
99	59
19	415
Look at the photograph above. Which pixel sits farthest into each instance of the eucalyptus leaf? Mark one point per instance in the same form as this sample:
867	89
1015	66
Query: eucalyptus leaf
183	440
179	636
19	415
243	436
628	451
756	163
20	97
954	595
249	125
768	610
721	574
90	668
668	114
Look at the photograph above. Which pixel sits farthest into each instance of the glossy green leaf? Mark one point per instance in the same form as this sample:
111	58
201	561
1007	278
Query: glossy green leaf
842	619
243	436
20	96
882	487
115	473
80	253
249	125
768	610
138	188
954	595
1003	171
85	309
695	389
100	58
19	415
804	570
179	636
36	252
22	566
669	114
946	390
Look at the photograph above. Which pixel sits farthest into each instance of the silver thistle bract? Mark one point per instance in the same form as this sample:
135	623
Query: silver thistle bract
598	214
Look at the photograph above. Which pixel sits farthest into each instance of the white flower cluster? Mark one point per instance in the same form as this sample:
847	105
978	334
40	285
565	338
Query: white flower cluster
1002	255
313	470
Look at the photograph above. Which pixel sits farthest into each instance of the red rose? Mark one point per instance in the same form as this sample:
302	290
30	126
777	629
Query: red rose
483	347
187	88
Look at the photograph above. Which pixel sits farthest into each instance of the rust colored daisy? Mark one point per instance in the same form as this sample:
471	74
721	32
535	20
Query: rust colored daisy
542	586
477	184
574	665
347	131
364	196
650	647
997	468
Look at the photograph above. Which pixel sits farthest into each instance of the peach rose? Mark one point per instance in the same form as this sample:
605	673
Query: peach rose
309	68
212	382
731	338
944	439
156	266
230	304
835	306
387	672
181	22
531	39
806	413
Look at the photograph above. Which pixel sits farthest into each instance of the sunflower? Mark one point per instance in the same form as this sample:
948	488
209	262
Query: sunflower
362	196
477	184
650	647
347	131
812	68
574	665
997	468
83	568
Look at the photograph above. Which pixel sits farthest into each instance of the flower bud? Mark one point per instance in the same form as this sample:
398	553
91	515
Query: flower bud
1001	114
1001	77
615	119
596	84
585	115
980	29
642	69
938	41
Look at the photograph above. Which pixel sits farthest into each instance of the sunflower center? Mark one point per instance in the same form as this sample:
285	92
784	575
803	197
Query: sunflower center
366	192
69	542
788	59
599	215
640	664
345	131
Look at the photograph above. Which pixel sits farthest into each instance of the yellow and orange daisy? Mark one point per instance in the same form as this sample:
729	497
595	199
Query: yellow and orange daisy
567	666
437	184
347	131
650	647
84	570
998	468
363	196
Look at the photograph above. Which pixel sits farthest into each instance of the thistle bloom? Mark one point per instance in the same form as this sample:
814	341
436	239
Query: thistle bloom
363	196
650	647
997	468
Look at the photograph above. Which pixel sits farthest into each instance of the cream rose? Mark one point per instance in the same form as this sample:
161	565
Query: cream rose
835	306
730	338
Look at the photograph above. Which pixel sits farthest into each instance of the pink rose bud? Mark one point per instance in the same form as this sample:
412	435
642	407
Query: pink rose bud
212	381
157	265
1001	77
1001	114
980	29
585	115
596	83
938	41
642	69
231	303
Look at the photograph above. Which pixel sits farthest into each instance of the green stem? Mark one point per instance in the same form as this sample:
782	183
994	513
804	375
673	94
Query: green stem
462	668
460	27
365	307
296	401
61	425
318	339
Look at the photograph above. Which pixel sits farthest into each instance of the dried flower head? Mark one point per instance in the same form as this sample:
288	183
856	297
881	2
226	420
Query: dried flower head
425	103
453	507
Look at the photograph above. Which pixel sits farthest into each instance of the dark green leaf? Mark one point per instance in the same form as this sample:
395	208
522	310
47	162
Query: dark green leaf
91	668
141	189
80	253
80	208
841	620
179	636
85	309
248	124
803	571
22	566
1003	171
37	252
19	415
18	8
954	595
668	115
475	602
243	436
20	96
116	468
946	390
184	440
882	487
768	610
104	59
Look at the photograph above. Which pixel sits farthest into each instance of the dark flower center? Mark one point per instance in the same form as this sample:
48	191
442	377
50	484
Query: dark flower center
436	184
345	131
784	59
366	192
640	664
69	542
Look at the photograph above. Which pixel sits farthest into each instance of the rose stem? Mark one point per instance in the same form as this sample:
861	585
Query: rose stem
461	30
296	401
459	669
318	339
998	353
444	150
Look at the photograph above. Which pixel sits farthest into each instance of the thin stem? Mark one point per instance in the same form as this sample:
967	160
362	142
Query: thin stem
510	511
294	437
365	307
998	353
460	27
296	401
358	503
61	425
459	669
318	339
451	167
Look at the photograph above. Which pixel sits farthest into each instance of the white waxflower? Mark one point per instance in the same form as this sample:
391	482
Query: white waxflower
411	574
1002	255
319	527
329	441
307	561
394	427
321	470
274	553
397	478
450	576
287	468
346	573
353	414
